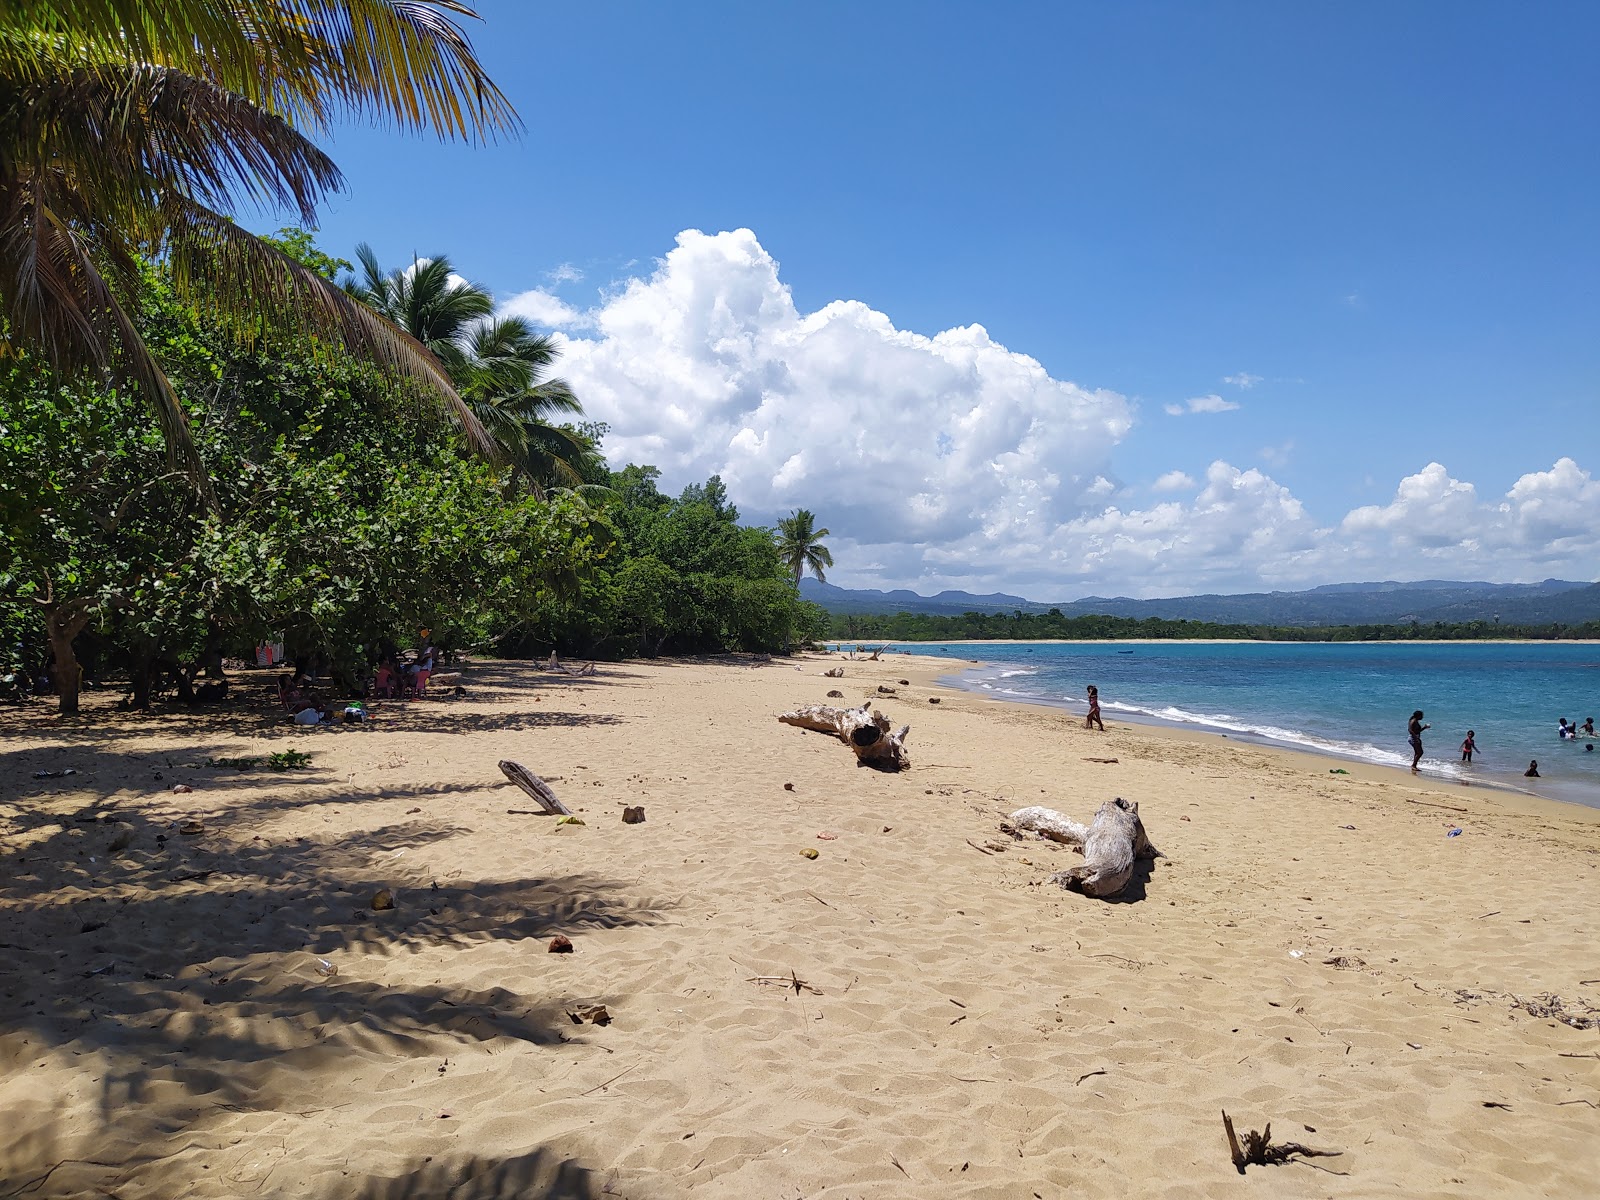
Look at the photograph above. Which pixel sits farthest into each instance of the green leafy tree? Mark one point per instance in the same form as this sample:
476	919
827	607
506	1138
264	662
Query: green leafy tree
342	514
129	127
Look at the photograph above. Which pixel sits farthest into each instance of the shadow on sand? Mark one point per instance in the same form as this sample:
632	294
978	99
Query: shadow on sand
185	966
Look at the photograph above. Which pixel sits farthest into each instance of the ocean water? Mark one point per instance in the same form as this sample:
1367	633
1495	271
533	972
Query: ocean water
1345	700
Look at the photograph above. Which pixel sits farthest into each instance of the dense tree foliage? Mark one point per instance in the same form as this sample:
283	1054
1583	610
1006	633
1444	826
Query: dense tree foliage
1021	626
685	577
341	514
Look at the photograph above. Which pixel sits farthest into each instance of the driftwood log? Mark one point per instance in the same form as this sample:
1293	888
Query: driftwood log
834	673
864	731
534	786
556	664
1111	844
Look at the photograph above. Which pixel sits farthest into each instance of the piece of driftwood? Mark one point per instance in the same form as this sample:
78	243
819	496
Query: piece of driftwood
1110	845
1259	1151
534	786
555	664
834	673
864	731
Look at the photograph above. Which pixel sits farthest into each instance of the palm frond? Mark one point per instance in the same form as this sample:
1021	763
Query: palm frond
402	61
56	298
122	135
254	287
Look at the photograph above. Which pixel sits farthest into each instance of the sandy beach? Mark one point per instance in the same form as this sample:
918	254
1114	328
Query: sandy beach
198	998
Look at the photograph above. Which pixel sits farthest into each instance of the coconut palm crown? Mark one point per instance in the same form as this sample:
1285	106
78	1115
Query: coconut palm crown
800	545
134	128
498	364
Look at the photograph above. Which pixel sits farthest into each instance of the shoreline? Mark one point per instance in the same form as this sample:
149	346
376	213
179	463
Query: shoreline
1314	762
817	978
1220	642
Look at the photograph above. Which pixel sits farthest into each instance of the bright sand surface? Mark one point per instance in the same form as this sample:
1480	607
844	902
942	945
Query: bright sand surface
1315	951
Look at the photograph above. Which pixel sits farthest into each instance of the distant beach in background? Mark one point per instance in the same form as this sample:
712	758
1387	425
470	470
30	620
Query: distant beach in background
1345	700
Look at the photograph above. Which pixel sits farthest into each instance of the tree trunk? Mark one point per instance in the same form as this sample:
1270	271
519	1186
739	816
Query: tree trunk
864	731
63	622
1110	845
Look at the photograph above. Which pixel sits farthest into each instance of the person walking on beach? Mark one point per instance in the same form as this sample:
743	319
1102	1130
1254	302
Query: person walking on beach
1414	732
1093	719
1468	746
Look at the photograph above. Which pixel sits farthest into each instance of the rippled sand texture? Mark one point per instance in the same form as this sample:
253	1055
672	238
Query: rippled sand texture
946	1023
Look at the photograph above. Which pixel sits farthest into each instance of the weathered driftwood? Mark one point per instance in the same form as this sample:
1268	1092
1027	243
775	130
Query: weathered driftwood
1110	845
1048	823
1259	1150
534	786
834	673
864	731
555	664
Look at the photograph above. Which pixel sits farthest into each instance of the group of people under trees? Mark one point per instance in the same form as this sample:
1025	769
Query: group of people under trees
392	677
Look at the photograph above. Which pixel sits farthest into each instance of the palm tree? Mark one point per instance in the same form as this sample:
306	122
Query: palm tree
503	380
800	545
131	128
427	300
498	364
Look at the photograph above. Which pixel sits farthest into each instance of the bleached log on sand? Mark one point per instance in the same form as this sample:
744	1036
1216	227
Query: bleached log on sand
1048	823
864	731
534	786
1111	845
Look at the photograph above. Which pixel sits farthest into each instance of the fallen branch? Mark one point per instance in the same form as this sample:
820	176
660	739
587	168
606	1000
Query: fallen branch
791	980
1431	804
1258	1149
534	786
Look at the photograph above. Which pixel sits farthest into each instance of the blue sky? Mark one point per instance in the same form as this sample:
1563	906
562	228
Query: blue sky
1352	243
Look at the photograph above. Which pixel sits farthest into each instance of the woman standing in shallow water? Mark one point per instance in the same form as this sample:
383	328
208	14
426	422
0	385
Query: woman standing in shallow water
1414	731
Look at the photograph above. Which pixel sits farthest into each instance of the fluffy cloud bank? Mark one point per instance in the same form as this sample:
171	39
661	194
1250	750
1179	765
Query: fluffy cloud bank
708	366
950	460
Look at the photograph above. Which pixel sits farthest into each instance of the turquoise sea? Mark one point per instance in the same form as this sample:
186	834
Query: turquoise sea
1346	700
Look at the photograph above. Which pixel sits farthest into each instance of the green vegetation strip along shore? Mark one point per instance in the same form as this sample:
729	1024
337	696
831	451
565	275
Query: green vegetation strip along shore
1056	626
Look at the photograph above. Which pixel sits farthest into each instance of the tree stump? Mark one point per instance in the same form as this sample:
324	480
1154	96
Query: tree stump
534	786
1110	845
864	731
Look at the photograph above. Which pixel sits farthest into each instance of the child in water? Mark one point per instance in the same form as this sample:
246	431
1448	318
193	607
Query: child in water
1468	746
1093	719
1533	770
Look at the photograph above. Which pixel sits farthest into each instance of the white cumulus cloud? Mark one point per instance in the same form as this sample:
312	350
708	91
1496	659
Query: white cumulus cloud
950	460
708	366
541	308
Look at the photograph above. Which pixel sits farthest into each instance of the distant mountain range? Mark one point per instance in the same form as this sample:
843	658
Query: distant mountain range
1387	603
